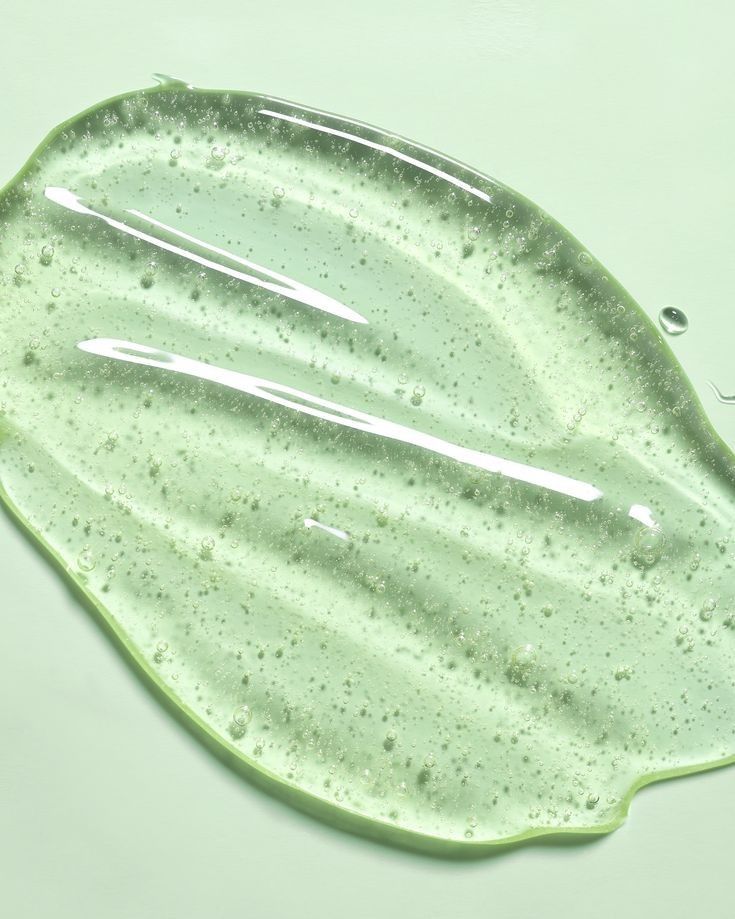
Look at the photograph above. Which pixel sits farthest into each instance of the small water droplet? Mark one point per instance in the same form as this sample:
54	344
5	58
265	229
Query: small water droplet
673	321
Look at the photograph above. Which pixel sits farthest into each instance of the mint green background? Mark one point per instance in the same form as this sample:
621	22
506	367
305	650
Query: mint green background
615	117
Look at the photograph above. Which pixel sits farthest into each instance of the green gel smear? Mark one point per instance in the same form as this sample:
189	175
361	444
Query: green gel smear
379	477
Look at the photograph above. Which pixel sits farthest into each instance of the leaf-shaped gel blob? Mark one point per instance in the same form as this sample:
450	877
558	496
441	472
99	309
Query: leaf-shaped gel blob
378	474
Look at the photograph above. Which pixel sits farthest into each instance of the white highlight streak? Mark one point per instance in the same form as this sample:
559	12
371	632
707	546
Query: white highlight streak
286	286
643	515
333	531
317	407
383	148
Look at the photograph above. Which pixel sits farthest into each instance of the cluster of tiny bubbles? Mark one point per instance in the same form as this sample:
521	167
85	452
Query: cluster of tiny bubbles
708	608
521	664
648	547
673	321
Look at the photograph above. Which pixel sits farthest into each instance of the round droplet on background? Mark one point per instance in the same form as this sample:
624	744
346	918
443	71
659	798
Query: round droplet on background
673	321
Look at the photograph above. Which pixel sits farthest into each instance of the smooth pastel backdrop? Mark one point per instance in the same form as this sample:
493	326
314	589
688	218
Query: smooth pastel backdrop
617	117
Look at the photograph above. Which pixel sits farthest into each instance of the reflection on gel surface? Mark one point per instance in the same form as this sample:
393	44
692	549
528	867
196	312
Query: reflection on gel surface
374	471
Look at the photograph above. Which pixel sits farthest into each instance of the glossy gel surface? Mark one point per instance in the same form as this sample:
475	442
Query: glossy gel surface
373	470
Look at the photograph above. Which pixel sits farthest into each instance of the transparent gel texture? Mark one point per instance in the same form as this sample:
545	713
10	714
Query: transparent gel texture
371	468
